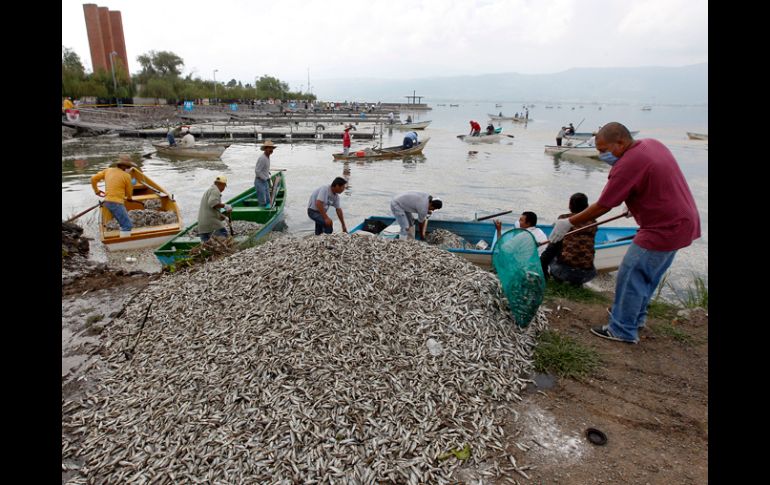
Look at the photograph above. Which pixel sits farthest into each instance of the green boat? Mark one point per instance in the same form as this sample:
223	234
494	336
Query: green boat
245	208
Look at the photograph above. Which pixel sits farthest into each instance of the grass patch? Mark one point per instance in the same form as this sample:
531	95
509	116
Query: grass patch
557	289
696	295
677	334
563	356
662	309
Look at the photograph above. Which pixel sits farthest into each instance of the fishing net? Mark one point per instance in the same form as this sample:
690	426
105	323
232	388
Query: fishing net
518	266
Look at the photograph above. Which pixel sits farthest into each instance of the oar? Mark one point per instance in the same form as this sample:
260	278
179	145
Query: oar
494	215
148	155
597	223
84	212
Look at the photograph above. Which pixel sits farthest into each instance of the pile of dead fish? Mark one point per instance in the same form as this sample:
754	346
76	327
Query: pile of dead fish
239	228
323	359
145	218
446	239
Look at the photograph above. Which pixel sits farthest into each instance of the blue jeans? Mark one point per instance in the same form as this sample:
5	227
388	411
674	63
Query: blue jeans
638	277
320	225
120	214
263	191
205	236
171	141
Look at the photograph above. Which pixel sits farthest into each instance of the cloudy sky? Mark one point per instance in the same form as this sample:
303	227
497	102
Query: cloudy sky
401	39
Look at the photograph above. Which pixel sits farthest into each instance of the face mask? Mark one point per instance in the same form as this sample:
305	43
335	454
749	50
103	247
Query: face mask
133	181
608	158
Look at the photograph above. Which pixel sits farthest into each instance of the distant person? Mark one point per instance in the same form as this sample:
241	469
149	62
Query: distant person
321	199
404	204
188	140
346	140
170	138
262	174
571	260
209	217
118	188
516	115
490	129
528	221
560	135
410	139
501	114
408	119
475	129
646	176
66	106
391	118
570	130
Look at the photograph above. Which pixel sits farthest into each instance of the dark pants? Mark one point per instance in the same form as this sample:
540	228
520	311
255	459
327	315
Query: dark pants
320	224
558	142
408	142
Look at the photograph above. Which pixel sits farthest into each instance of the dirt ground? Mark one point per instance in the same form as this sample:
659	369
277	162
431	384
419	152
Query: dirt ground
650	399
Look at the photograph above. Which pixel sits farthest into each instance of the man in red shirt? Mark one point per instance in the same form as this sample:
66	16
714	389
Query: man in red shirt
475	129
346	140
647	178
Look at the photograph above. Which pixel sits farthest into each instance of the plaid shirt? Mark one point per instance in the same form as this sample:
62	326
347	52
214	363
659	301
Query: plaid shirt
578	250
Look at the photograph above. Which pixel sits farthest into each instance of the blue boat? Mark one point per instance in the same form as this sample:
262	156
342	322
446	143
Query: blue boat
245	208
611	242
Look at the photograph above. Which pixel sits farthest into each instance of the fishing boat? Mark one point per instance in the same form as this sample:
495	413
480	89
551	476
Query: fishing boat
383	153
197	151
420	125
454	105
145	190
500	118
587	151
587	135
245	208
483	137
611	243
646	108
698	136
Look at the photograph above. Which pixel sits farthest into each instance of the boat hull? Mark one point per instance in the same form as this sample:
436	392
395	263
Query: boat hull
481	138
198	151
411	126
609	247
587	152
697	136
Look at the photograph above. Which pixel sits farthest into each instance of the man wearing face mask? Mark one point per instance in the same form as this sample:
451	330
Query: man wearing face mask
118	188
647	178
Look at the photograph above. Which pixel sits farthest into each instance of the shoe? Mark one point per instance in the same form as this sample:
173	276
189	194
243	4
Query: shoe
604	332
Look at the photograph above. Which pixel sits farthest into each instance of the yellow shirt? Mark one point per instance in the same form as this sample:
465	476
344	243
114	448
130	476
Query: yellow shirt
68	104
117	184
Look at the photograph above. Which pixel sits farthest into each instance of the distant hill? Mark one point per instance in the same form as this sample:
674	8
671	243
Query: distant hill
645	85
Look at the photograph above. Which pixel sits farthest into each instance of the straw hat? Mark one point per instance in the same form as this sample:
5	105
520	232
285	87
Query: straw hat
125	160
347	127
266	144
221	179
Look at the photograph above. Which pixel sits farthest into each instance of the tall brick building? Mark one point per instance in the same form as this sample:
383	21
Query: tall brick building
105	35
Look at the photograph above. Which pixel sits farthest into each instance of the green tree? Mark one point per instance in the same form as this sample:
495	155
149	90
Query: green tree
163	64
270	87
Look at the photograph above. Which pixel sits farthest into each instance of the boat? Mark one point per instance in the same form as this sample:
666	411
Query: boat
646	108
611	243
245	208
383	153
588	151
145	190
698	136
498	106
587	135
197	151
501	118
420	125
483	137
454	105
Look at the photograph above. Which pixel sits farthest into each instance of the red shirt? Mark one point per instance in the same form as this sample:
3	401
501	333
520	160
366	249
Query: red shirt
346	139
475	126
653	187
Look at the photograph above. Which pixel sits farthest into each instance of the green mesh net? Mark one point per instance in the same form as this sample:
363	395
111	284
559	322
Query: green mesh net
518	266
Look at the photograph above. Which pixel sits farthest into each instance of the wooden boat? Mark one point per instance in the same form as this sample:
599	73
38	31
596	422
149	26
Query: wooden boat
587	135
501	118
245	208
145	190
454	105
611	243
383	153
646	108
420	125
197	151
698	136
576	150
482	138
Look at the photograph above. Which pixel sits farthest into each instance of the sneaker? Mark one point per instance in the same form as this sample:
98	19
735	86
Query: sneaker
604	332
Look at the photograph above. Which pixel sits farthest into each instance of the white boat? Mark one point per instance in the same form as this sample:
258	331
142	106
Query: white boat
698	136
196	151
420	125
646	108
576	150
587	135
483	138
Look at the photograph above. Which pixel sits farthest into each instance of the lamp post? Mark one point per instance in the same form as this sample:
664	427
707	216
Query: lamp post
215	85
114	83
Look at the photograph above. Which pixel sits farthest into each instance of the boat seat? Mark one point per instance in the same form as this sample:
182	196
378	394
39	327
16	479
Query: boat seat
188	239
144	197
237	210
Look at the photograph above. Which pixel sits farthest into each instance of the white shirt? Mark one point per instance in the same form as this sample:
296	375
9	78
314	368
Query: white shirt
326	196
540	237
414	202
188	140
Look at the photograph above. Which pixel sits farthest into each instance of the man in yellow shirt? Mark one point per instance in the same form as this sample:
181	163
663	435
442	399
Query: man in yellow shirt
117	188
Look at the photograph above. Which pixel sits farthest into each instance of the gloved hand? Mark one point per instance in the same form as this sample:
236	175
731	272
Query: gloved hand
228	208
560	228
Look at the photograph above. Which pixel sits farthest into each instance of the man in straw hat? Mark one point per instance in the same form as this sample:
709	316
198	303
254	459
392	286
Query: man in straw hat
117	189
262	174
209	218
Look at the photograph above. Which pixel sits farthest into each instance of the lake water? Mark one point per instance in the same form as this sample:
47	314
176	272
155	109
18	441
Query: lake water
479	179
